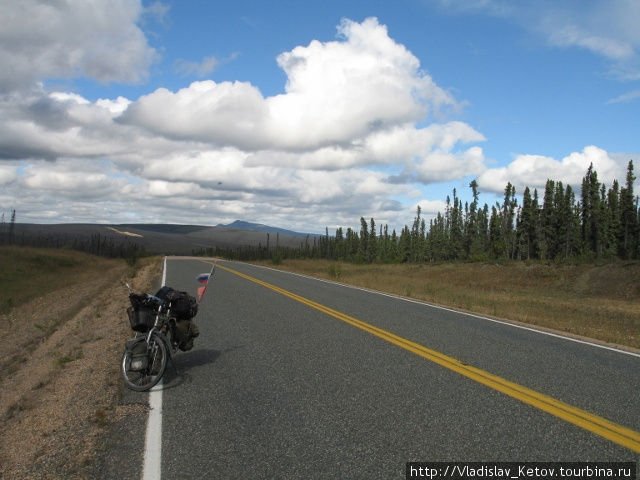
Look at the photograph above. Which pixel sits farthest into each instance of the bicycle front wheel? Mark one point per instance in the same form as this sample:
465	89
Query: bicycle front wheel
143	365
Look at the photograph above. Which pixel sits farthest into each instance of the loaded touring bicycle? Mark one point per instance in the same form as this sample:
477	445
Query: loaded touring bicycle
163	324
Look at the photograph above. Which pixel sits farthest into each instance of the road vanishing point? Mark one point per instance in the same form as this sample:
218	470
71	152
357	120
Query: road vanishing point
299	378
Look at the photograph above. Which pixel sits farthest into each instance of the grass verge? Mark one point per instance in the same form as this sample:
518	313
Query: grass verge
59	376
28	273
601	302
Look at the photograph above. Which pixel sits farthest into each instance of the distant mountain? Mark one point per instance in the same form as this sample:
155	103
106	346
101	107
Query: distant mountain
259	227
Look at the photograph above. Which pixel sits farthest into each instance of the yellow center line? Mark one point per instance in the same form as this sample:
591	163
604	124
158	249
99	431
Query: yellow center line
611	431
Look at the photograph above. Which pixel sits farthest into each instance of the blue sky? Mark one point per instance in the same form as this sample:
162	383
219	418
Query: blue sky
307	114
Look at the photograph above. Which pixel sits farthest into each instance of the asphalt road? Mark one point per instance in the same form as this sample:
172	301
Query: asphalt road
277	389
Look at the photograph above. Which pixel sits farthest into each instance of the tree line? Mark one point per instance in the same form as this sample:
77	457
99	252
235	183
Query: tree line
94	244
560	226
7	231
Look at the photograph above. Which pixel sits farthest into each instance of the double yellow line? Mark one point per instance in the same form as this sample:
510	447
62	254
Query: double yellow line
611	431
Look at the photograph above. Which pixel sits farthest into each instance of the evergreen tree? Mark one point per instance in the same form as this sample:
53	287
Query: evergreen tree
497	248
507	220
364	241
570	218
416	240
456	229
547	230
340	244
628	236
12	227
483	229
404	245
353	245
373	242
393	254
474	244
383	243
591	213
527	226
328	247
560	223
612	220
436	241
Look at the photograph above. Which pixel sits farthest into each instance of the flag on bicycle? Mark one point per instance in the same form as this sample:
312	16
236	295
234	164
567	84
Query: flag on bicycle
200	292
203	278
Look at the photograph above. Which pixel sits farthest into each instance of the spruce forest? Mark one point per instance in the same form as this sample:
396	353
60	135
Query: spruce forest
599	224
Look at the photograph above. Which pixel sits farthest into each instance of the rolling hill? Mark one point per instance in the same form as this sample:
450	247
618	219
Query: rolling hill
168	239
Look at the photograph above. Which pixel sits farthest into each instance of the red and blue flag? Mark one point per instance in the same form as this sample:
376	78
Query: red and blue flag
200	292
203	278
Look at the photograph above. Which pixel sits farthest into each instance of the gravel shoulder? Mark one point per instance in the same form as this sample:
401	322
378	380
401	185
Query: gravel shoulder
61	397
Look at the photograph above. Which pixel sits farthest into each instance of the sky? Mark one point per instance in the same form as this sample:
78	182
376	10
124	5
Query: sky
306	115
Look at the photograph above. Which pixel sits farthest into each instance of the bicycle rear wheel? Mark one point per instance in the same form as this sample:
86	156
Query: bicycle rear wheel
143	365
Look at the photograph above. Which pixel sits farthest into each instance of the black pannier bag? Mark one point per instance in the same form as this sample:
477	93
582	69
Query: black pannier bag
142	313
186	331
138	352
183	305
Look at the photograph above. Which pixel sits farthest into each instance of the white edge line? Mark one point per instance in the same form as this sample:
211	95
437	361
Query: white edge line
421	302
151	469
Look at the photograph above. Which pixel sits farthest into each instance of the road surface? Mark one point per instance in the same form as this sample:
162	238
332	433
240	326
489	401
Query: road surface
293	377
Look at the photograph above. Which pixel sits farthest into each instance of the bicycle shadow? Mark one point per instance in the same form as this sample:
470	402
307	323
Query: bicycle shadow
183	362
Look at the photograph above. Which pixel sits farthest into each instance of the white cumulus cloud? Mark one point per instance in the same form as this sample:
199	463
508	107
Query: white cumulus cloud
534	170
336	92
91	38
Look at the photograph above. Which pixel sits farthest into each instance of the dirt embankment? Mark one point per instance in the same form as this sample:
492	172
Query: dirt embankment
59	377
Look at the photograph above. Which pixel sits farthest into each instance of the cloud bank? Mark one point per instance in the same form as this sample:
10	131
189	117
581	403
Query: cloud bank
213	151
357	130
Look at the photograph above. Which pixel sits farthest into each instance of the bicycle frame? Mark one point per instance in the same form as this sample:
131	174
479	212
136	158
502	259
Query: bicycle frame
162	319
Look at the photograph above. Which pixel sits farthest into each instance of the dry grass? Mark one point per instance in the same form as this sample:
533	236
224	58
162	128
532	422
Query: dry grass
28	273
596	301
59	380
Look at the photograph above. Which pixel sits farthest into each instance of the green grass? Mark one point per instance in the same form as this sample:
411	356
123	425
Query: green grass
27	273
